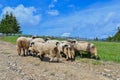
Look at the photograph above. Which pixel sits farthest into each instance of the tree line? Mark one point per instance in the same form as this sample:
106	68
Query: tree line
9	24
115	37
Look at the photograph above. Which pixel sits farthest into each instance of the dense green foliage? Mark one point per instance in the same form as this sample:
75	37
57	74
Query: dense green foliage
116	37
107	51
9	24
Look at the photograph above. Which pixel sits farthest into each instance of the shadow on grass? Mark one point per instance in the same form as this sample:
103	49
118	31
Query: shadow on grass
86	55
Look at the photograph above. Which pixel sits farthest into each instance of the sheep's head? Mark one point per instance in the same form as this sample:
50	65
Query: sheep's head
31	49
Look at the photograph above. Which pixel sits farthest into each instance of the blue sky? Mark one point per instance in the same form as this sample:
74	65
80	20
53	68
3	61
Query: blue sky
75	18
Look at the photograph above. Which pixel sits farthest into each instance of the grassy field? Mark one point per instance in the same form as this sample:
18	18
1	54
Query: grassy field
107	51
11	39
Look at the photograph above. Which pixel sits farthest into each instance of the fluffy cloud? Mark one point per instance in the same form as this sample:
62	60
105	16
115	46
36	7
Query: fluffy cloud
90	23
55	0
65	35
25	15
52	4
53	12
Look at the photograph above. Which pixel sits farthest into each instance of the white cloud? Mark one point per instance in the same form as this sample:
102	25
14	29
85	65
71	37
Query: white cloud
53	12
92	22
65	35
55	0
71	6
110	15
52	4
25	15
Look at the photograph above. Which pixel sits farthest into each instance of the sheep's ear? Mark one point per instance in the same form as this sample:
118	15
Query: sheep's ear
47	39
66	45
74	41
32	43
57	43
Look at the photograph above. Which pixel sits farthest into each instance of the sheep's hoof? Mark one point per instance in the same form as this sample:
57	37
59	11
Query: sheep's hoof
41	58
97	58
67	59
72	60
23	55
57	61
19	54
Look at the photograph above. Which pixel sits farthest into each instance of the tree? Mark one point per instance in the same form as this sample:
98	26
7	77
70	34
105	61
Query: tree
109	38
96	39
9	24
116	37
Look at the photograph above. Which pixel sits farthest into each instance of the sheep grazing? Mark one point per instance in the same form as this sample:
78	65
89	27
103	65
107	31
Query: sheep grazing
23	43
45	48
81	46
34	53
38	40
65	48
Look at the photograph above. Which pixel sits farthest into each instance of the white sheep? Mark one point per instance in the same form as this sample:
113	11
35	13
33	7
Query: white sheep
45	48
23	43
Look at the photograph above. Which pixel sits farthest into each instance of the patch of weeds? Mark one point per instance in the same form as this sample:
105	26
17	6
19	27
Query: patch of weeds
94	62
84	60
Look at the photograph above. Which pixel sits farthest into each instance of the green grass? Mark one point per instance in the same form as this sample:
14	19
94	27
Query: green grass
107	51
95	62
11	39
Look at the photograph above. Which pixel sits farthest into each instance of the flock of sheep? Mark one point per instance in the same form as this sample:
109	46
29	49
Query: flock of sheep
54	48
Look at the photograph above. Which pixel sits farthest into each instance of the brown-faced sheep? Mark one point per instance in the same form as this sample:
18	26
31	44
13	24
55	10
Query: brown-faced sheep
65	48
81	46
23	43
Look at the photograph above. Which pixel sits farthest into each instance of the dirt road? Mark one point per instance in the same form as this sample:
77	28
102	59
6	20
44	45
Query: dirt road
14	67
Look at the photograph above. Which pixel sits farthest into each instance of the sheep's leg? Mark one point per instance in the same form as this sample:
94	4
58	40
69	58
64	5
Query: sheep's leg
40	56
58	55
51	59
89	54
34	54
23	52
80	53
67	57
27	52
72	56
19	51
52	54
